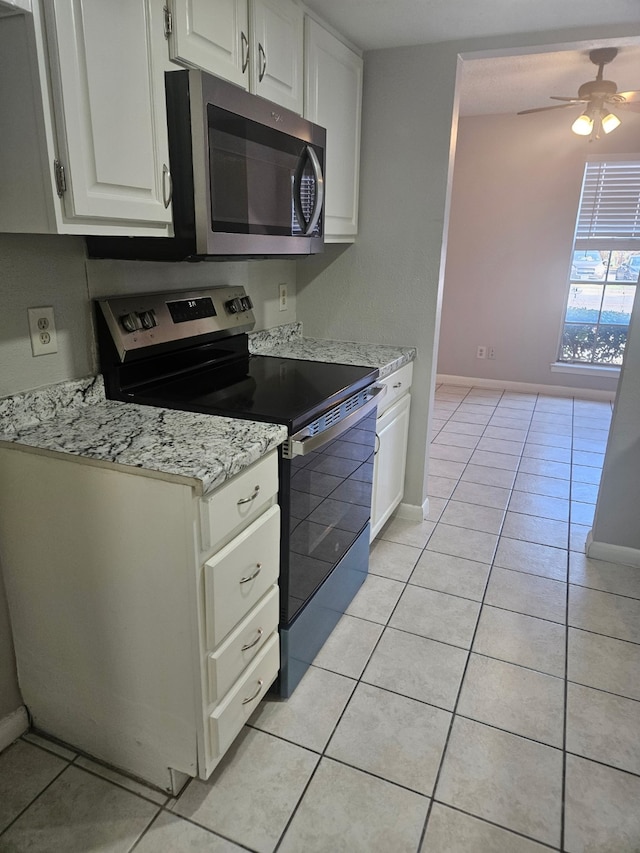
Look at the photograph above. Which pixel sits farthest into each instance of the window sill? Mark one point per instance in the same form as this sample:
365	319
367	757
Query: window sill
585	369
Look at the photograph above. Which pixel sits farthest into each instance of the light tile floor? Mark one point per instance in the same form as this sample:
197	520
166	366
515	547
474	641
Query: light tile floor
482	694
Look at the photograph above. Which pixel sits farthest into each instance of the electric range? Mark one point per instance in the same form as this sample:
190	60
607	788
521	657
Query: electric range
189	351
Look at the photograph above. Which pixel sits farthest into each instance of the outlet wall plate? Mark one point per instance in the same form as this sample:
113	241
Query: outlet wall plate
42	330
282	297
482	352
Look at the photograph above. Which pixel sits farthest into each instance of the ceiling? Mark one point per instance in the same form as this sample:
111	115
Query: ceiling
508	84
373	24
499	84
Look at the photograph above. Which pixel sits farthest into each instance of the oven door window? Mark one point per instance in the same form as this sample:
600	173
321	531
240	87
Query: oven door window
330	504
255	174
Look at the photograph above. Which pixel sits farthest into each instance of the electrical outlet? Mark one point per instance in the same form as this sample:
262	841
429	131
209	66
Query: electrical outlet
42	330
491	352
282	299
482	352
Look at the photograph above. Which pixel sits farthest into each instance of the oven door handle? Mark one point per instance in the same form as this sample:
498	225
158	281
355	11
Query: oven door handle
302	443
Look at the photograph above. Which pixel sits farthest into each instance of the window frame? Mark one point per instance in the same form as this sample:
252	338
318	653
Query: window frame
609	221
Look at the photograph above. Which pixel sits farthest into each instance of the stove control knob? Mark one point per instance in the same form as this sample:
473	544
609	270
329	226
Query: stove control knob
130	322
147	319
234	306
247	304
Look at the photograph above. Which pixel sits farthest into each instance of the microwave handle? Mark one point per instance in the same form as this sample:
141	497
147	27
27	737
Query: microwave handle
319	199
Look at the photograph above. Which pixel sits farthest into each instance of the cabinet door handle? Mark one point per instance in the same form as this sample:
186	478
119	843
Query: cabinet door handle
257	693
166	181
255	642
245	51
254	575
252	497
397	385
263	62
377	445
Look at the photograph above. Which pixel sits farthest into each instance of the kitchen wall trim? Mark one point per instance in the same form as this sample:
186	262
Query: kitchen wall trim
526	387
13	726
413	512
619	554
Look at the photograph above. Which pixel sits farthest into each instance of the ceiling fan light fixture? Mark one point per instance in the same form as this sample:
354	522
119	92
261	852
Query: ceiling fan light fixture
609	122
583	125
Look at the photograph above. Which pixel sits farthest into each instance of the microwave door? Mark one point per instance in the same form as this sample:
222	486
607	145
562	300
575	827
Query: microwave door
308	193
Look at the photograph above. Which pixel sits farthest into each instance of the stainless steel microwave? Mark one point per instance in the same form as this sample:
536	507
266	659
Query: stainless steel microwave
246	177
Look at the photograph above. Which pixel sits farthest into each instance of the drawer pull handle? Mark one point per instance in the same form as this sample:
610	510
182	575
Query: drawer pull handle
255	642
252	497
254	575
257	693
397	385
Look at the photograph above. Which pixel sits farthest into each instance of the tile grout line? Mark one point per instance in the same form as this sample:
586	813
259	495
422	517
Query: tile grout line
563	804
464	672
454	715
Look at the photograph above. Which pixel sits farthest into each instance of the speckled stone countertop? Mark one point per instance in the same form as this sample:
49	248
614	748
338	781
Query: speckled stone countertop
74	418
288	342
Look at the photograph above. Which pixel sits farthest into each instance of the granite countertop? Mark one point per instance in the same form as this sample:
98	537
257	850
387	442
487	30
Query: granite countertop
74	418
288	342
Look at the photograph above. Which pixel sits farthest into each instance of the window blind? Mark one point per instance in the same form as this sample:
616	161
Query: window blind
609	214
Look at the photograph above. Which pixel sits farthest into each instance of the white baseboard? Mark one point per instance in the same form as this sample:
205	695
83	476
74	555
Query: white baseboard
413	512
526	387
12	726
612	553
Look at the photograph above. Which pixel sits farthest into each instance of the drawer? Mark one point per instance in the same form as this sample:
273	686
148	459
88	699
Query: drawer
398	383
237	577
238	502
237	706
244	643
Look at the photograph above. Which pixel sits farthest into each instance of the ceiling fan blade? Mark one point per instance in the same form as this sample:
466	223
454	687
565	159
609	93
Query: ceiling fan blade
544	109
573	100
629	96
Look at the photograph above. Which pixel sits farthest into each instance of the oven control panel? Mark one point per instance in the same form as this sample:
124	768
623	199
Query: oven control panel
150	319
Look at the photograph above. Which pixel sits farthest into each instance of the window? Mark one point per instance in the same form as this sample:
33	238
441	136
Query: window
605	265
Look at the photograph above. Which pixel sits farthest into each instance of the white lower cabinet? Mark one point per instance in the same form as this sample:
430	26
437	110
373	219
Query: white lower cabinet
145	633
392	430
241	701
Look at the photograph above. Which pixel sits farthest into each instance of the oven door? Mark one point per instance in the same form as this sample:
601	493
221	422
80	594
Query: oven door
326	500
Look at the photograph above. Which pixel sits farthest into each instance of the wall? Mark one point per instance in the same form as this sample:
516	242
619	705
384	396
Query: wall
51	270
387	286
616	519
516	189
384	288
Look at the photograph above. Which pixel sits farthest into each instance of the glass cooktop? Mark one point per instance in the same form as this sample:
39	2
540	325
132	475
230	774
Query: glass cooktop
263	388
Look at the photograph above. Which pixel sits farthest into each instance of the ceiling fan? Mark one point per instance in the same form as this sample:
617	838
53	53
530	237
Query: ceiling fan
600	96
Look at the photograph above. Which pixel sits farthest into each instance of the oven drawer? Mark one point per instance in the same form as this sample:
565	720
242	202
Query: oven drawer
243	645
238	502
398	383
243	698
237	577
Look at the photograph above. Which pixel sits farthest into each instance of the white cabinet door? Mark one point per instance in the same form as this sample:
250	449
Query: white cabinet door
392	429
333	99
110	111
212	35
276	52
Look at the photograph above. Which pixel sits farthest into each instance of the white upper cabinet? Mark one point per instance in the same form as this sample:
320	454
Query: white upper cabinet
213	36
277	30
333	99
256	44
85	148
111	102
